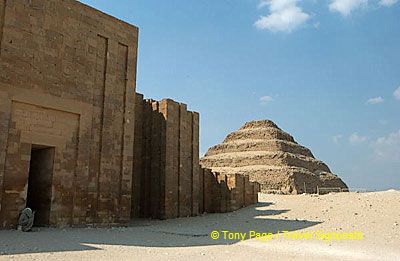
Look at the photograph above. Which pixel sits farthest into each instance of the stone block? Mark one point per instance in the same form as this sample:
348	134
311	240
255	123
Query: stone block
210	191
248	191
236	186
67	82
201	191
171	112
185	162
196	181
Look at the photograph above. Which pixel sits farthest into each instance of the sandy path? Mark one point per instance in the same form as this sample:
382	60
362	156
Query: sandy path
376	215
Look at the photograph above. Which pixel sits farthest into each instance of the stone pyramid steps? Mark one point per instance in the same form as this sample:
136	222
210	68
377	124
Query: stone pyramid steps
266	133
270	156
259	124
259	145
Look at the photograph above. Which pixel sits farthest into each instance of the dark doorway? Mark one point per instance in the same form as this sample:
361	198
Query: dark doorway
40	183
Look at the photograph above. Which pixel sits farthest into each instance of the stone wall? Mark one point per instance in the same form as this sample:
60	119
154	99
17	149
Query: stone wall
68	115
167	179
67	81
221	193
166	162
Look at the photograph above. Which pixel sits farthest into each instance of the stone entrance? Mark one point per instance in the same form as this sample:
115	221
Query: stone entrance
67	125
41	163
67	82
40	183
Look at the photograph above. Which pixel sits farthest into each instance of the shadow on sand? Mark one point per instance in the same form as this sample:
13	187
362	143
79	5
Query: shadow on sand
182	232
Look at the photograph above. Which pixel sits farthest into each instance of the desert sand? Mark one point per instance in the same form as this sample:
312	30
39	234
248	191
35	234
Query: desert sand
376	215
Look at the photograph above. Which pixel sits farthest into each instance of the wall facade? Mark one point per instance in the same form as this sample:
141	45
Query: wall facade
220	193
67	82
166	163
77	144
168	181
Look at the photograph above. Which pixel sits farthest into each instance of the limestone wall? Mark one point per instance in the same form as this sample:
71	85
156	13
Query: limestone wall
167	179
221	193
67	86
166	162
67	81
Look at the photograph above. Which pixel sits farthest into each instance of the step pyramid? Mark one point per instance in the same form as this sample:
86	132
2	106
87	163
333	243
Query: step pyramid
270	156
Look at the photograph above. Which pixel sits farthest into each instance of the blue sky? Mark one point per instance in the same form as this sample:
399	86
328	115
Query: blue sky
325	71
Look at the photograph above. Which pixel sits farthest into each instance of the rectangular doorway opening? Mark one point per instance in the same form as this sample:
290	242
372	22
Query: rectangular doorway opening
40	184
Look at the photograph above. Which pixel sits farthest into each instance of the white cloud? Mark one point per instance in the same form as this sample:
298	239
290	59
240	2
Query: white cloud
264	100
337	138
375	100
387	2
263	3
396	93
355	138
284	16
346	7
388	147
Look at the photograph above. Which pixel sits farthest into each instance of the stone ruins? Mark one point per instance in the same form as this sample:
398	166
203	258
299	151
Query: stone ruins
273	158
77	144
168	181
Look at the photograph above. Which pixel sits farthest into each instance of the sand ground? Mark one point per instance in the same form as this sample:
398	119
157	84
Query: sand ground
376	215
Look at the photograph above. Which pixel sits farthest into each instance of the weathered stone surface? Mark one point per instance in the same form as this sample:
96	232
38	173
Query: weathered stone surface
201	196
210	195
235	183
77	143
170	111
185	162
138	154
170	149
195	167
67	81
272	157
224	193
